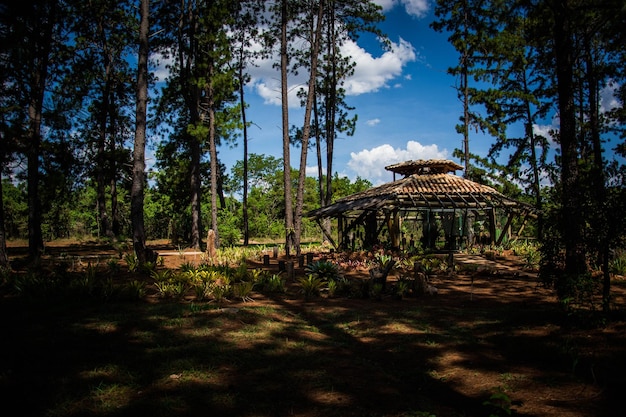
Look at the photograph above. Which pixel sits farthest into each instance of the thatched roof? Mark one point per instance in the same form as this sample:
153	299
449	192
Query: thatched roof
420	166
422	191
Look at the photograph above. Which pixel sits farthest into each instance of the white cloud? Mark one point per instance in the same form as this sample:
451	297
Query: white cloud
416	8
608	99
542	130
370	163
160	66
386	4
311	171
373	122
371	73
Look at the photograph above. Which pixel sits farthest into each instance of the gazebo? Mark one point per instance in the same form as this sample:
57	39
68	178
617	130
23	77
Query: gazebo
430	203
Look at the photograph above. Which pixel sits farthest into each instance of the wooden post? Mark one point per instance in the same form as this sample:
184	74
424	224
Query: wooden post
266	260
340	233
290	270
210	245
492	226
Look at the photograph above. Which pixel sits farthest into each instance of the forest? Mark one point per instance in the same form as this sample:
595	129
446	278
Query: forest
140	275
80	107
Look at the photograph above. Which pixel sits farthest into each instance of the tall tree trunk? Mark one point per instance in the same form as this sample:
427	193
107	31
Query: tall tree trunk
465	88
598	178
105	226
213	155
331	110
246	226
139	163
115	216
195	185
4	259
40	69
325	224
35	238
572	226
530	136
306	130
284	63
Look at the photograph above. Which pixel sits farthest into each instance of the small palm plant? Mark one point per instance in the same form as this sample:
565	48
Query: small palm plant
311	286
324	270
242	290
131	262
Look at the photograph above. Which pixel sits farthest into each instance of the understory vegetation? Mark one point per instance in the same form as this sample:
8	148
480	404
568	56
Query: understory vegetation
94	332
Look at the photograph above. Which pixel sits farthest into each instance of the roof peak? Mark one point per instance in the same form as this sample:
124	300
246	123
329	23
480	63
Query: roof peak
423	167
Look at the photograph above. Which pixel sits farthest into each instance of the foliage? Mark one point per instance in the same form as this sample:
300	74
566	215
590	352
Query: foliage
243	289
136	289
499	402
530	254
131	262
618	263
310	286
272	283
229	227
324	270
383	260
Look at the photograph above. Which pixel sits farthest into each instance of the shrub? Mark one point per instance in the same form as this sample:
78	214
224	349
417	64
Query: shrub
136	289
243	289
131	262
324	270
272	283
311	286
618	264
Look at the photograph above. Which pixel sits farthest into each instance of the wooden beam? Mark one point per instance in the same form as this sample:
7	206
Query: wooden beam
509	220
326	233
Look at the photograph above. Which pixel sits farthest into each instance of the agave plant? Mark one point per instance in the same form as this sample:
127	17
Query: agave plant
324	270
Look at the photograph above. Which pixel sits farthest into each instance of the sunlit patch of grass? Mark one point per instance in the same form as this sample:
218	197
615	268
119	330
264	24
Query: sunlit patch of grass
299	344
103	326
404	328
204	331
263	310
249	331
103	398
109	397
110	372
174	322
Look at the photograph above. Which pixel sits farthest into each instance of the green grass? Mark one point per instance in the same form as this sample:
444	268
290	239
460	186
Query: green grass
118	358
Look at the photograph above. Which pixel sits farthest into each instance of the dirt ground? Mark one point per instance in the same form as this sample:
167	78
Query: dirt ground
491	335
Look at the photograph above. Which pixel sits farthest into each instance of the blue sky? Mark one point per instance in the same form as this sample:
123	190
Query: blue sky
406	103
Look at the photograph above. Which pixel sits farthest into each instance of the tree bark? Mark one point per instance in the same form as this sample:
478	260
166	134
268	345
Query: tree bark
195	185
572	226
306	130
4	259
139	163
213	156
246	226
284	63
